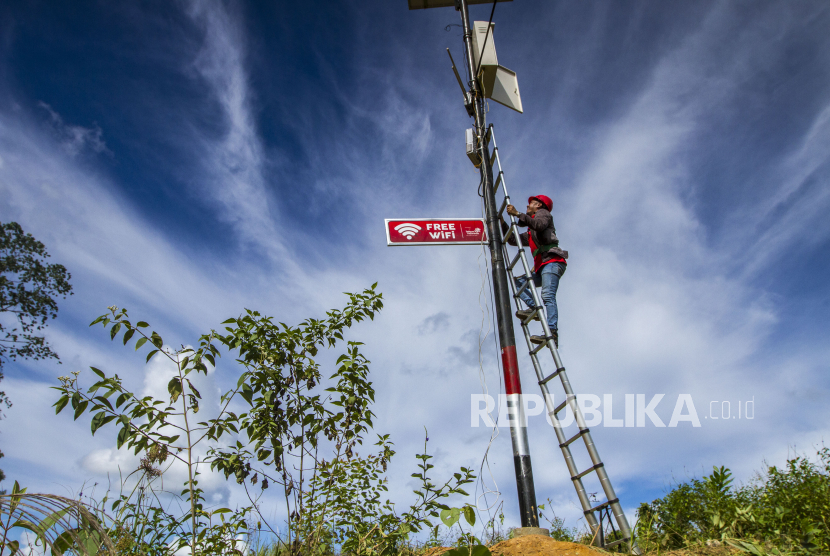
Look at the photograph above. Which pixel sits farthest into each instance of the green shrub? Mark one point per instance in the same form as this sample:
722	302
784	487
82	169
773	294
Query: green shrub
786	508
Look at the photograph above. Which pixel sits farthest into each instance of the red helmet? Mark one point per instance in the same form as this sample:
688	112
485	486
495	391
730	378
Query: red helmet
545	200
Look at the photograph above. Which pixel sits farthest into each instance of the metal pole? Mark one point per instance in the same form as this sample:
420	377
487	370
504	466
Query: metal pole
507	340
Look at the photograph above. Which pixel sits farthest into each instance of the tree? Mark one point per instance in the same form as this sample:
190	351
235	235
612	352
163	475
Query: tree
29	288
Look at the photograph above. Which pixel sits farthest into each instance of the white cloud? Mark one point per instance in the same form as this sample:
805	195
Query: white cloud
109	461
74	138
233	163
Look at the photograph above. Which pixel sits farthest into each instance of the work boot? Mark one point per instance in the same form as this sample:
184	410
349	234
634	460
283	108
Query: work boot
522	314
554	335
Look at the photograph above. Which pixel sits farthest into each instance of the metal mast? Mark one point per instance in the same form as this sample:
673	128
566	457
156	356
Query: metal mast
501	292
502	87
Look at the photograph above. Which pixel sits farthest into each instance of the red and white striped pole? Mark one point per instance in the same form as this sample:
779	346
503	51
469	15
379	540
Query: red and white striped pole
507	338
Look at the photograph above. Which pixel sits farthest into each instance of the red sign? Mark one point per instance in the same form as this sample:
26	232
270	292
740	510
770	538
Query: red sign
435	231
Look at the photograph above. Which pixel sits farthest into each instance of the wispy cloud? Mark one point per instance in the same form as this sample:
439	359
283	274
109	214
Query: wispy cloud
74	138
91	230
233	159
791	218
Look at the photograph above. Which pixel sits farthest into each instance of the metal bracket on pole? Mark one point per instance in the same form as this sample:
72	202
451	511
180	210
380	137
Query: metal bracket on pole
468	100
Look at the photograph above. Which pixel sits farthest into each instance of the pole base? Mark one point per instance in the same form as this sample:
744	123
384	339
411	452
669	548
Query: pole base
524	531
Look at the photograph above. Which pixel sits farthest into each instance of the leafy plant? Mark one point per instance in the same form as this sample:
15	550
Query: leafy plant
467	544
301	430
59	525
556	525
161	429
493	529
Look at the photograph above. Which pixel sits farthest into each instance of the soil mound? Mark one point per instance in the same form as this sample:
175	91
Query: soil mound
530	545
537	545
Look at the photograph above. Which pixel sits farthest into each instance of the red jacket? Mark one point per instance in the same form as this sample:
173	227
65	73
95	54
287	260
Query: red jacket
540	237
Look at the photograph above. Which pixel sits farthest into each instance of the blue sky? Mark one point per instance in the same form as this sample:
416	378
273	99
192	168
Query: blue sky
188	159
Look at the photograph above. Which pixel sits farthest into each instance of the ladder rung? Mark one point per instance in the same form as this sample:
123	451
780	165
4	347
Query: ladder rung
601	506
615	543
540	347
554	374
510	231
493	158
531	317
515	260
560	407
522	288
592	468
498	181
574	437
503	206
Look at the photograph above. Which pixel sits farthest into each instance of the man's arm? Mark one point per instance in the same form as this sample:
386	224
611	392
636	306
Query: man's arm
542	220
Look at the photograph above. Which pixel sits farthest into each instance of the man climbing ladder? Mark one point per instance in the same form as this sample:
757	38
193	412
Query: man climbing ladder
549	261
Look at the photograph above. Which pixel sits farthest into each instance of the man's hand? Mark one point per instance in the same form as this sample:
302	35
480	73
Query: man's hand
511	210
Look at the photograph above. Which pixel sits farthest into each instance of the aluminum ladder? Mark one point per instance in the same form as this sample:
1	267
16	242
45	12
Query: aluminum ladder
599	514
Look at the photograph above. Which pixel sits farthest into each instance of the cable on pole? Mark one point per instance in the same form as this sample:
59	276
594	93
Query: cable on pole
488	313
486	36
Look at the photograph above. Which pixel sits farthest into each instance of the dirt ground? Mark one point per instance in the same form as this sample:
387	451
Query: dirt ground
531	545
536	545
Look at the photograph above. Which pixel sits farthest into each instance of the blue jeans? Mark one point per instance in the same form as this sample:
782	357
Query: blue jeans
548	279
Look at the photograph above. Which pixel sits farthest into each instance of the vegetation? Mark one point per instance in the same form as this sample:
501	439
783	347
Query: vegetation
57	524
556	525
781	511
28	289
285	424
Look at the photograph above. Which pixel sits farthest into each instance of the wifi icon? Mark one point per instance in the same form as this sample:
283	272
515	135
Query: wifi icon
408	230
